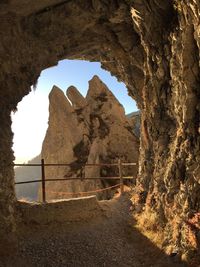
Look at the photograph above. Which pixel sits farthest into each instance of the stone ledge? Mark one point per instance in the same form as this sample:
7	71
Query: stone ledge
61	211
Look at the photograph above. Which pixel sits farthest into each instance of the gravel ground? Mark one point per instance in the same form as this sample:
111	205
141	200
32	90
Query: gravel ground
109	241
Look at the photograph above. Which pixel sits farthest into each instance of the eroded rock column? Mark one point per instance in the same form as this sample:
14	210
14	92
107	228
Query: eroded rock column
170	140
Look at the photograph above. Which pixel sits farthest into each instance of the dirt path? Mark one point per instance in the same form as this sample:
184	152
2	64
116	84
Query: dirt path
109	241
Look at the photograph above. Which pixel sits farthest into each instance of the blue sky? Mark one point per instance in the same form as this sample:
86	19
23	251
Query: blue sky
30	121
78	73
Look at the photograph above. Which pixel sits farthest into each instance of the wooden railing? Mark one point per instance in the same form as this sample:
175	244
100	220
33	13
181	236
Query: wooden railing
120	177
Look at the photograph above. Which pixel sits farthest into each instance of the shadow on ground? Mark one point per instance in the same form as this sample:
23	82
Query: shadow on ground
105	240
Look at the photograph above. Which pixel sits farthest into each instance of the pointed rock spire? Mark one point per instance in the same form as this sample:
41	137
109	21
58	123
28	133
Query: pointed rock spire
90	130
76	98
58	98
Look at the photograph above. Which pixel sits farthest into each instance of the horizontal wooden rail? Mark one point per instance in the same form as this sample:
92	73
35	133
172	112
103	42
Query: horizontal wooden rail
29	182
69	165
27	165
43	180
76	178
129	164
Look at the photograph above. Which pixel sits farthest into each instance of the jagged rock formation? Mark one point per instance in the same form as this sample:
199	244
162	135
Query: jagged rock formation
90	130
28	191
170	140
153	46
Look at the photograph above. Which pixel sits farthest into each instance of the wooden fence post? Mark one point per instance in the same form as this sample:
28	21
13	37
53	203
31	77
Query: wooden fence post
43	181
82	173
121	176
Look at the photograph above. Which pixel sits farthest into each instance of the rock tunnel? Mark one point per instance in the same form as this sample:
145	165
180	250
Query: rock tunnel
153	47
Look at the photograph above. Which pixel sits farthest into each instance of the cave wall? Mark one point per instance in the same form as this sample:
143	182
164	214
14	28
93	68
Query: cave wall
7	197
35	36
170	140
153	47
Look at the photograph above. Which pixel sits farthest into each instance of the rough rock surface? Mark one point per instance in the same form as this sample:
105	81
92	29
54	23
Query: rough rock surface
91	130
170	139
153	46
134	119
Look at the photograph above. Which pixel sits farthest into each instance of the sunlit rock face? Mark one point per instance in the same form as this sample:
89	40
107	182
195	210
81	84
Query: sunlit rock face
170	140
90	130
153	46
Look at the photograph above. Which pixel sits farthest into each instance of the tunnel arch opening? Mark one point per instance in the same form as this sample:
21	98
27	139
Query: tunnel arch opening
30	121
36	38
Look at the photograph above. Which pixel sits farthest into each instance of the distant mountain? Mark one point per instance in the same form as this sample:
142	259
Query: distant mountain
28	191
135	113
134	120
